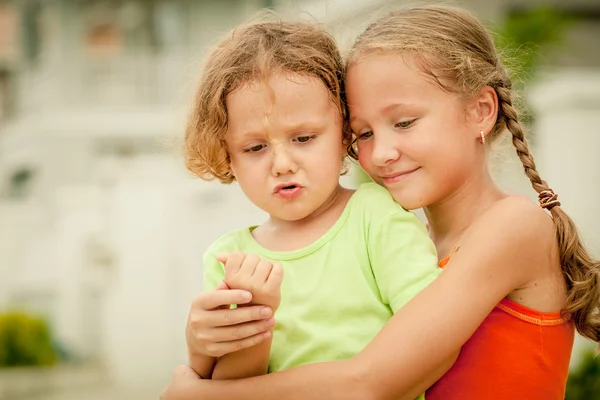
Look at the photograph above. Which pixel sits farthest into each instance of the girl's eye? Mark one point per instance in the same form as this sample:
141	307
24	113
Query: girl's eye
365	135
404	124
303	139
255	148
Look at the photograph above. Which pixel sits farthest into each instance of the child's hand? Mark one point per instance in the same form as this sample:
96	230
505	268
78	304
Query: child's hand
260	277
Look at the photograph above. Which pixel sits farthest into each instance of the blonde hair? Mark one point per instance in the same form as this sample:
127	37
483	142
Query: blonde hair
458	53
256	51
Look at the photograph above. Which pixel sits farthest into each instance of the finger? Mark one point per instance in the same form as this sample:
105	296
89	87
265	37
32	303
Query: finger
238	332
234	262
275	277
222	286
248	267
236	316
222	257
218	298
237	345
262	271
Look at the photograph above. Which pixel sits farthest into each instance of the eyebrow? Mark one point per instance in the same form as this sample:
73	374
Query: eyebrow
288	127
389	108
248	135
254	134
398	105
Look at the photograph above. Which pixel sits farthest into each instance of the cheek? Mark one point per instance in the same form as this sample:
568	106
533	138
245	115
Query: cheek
326	155
244	169
364	156
444	179
326	168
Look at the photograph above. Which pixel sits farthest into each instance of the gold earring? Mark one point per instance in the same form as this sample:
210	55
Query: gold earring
481	137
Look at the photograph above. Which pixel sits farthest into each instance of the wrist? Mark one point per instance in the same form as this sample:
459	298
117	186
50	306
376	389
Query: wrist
195	355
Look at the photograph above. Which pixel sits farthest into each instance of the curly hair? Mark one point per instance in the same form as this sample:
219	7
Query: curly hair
256	51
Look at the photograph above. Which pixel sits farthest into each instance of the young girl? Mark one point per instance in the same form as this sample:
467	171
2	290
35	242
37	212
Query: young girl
427	94
270	115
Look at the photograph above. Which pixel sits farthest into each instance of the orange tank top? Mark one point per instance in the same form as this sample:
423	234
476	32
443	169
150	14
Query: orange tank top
516	353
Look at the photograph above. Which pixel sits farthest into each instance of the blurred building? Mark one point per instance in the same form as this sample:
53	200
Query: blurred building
101	228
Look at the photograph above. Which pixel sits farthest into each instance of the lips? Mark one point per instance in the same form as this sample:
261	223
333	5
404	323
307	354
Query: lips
288	190
397	176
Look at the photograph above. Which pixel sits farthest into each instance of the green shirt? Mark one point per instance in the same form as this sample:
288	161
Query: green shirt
338	292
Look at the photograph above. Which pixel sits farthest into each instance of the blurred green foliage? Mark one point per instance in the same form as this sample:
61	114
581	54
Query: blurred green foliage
525	41
25	341
584	381
527	38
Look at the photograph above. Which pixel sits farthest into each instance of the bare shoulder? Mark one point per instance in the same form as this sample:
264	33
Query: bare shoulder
518	218
510	241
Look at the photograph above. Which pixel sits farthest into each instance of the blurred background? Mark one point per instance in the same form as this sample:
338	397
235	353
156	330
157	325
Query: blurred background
101	227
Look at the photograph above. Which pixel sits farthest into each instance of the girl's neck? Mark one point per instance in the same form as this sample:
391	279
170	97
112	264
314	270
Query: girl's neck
450	218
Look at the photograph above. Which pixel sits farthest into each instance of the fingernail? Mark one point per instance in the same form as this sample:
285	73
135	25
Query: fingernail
267	334
247	296
266	311
270	322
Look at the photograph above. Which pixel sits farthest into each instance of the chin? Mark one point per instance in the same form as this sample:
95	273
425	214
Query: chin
408	201
292	216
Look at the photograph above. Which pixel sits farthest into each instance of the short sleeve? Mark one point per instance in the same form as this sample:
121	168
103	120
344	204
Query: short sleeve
403	257
213	271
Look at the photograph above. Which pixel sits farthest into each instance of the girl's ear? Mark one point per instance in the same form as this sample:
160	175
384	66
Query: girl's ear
482	110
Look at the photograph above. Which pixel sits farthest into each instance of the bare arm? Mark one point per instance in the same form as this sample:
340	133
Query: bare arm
428	379
332	377
498	254
263	279
244	363
202	365
384	370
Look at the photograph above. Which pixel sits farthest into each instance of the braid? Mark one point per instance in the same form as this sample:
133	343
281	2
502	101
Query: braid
580	271
509	114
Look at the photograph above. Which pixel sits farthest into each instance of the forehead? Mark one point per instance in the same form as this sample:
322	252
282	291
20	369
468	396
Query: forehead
388	71
283	99
379	79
